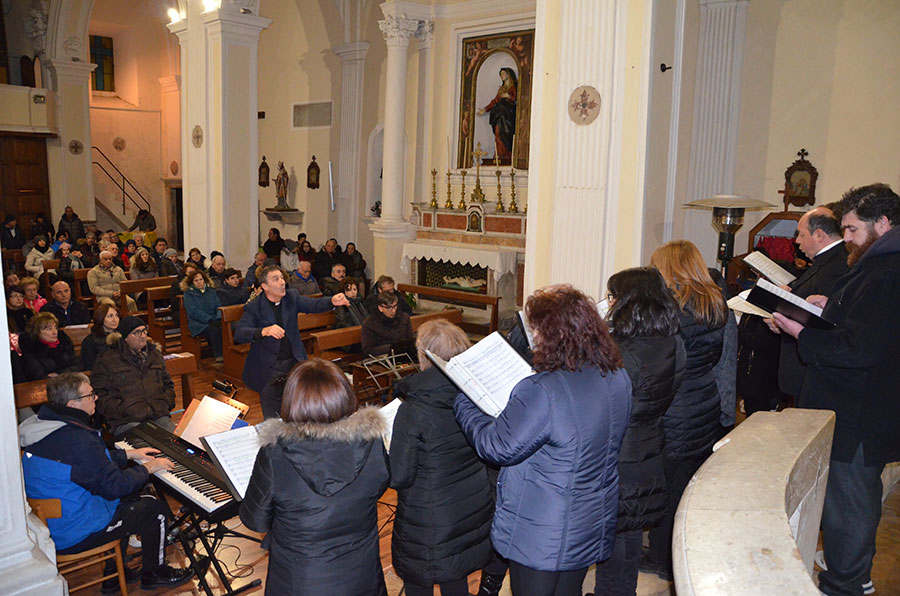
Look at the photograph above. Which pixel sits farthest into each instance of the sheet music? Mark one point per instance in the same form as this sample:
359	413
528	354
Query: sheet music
212	416
495	367
235	453
389	412
739	304
769	268
792	298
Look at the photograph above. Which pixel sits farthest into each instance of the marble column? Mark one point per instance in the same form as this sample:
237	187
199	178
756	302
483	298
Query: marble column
717	105
69	155
391	229
424	115
585	181
219	135
353	62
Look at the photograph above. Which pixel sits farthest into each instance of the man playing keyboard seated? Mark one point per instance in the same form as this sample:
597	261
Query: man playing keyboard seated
64	458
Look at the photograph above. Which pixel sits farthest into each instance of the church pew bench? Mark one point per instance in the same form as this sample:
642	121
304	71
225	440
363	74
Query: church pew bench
464	298
159	318
77	333
180	366
131	287
50	265
82	293
13	260
189	343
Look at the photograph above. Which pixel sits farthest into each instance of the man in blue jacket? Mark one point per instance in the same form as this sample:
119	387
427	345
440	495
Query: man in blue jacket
269	324
64	458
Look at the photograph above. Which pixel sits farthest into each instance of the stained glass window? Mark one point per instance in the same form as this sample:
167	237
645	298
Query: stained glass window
103	78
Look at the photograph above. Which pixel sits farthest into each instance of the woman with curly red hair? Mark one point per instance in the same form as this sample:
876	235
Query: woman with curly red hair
558	443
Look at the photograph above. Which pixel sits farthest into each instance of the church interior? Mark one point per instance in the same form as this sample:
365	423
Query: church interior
492	148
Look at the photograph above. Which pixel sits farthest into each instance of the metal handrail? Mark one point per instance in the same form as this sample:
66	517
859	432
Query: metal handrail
121	185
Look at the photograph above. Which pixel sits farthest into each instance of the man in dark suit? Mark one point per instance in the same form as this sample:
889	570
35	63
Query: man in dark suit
269	324
854	372
819	237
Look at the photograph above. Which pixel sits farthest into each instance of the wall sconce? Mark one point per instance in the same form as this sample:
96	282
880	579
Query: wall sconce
728	217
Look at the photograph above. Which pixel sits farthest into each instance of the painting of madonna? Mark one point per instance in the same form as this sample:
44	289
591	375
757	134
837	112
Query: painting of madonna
502	114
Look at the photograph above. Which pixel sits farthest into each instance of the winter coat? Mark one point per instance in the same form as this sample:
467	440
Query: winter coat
444	502
165	268
372	302
10	241
66	267
314	491
43	229
852	369
73	227
330	286
350	316
19	317
725	373
65	458
202	308
146	223
34	262
264	350
655	366
76	314
324	262
692	421
39	359
103	283
138	274
229	296
558	442
93	346
379	332
355	264
305	287
130	388
272	248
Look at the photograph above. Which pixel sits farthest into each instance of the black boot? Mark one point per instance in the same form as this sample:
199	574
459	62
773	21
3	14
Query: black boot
490	584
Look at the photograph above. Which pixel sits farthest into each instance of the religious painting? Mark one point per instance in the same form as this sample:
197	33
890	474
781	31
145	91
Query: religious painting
495	99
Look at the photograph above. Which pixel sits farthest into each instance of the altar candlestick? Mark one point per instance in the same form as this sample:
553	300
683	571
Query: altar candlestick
434	203
462	192
513	207
448	204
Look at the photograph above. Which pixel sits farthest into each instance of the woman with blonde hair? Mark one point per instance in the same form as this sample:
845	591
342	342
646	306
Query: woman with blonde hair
46	351
315	486
691	423
444	497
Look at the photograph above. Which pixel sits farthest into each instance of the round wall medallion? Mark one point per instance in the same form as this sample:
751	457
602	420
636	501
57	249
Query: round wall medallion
173	167
584	105
197	136
76	147
119	144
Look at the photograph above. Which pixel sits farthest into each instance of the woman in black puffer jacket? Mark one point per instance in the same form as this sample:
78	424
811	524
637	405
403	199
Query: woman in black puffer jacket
692	421
315	487
444	500
644	322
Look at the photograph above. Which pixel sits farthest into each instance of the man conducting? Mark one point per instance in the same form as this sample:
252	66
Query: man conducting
852	369
64	458
269	324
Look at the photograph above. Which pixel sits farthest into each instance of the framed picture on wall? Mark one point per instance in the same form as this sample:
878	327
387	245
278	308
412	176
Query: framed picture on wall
495	98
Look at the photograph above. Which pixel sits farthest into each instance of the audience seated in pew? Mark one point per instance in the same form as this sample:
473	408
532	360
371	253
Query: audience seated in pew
250	276
354	313
17	314
196	258
326	259
303	280
69	260
354	262
67	311
201	305
40	252
170	264
331	285
233	290
105	323
46	351
216	271
33	300
385	283
104	279
385	326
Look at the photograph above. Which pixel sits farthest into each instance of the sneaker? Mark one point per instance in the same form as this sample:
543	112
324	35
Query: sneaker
111	585
165	576
868	587
134	541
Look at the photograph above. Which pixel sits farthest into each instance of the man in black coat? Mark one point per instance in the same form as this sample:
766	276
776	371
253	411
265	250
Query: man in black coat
11	235
819	237
71	224
852	370
66	310
326	259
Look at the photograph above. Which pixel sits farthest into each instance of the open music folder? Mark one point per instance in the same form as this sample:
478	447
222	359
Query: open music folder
768	268
486	372
234	453
771	298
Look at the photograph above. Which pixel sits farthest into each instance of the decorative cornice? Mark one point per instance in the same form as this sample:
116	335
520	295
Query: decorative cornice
479	8
398	30
392	230
68	68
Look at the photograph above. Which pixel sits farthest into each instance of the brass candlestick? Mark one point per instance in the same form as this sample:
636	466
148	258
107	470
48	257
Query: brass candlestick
434	203
448	204
462	192
513	207
499	208
478	194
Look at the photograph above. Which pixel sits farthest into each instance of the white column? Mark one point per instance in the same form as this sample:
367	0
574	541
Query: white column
353	62
24	567
585	181
717	94
70	174
170	87
391	230
424	116
219	128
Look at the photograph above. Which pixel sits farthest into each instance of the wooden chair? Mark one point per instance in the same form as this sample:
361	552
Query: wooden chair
46	509
159	319
189	343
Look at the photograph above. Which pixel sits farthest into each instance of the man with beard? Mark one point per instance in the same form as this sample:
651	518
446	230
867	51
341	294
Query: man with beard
852	370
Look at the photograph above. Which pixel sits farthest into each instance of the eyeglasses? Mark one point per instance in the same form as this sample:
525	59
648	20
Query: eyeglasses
140	331
92	394
394	307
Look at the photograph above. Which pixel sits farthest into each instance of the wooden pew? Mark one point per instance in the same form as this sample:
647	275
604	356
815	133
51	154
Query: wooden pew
81	293
13	260
77	333
48	265
34	393
327	344
134	286
189	343
159	319
464	298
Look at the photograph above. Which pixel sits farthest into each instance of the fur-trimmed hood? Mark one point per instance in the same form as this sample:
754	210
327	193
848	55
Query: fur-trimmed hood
327	456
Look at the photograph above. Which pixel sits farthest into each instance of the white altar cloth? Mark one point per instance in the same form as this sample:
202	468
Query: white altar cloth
499	259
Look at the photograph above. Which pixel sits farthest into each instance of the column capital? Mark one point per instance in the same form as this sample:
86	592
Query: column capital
66	69
425	35
398	29
180	29
244	28
351	52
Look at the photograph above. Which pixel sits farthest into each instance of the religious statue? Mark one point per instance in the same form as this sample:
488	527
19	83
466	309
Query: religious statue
264	173
503	113
312	174
281	187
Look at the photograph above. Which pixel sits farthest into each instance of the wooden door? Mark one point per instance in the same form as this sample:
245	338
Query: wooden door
23	174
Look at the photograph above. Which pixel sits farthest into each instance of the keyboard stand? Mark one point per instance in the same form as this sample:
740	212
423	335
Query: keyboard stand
218	530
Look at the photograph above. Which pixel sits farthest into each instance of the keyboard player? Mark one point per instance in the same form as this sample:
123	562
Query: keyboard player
65	458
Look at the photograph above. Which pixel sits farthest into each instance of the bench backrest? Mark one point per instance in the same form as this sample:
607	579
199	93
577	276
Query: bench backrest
459	297
133	286
77	333
339	338
80	279
230	314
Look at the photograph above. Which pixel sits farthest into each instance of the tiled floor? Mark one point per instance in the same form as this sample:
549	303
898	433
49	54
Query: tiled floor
245	558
